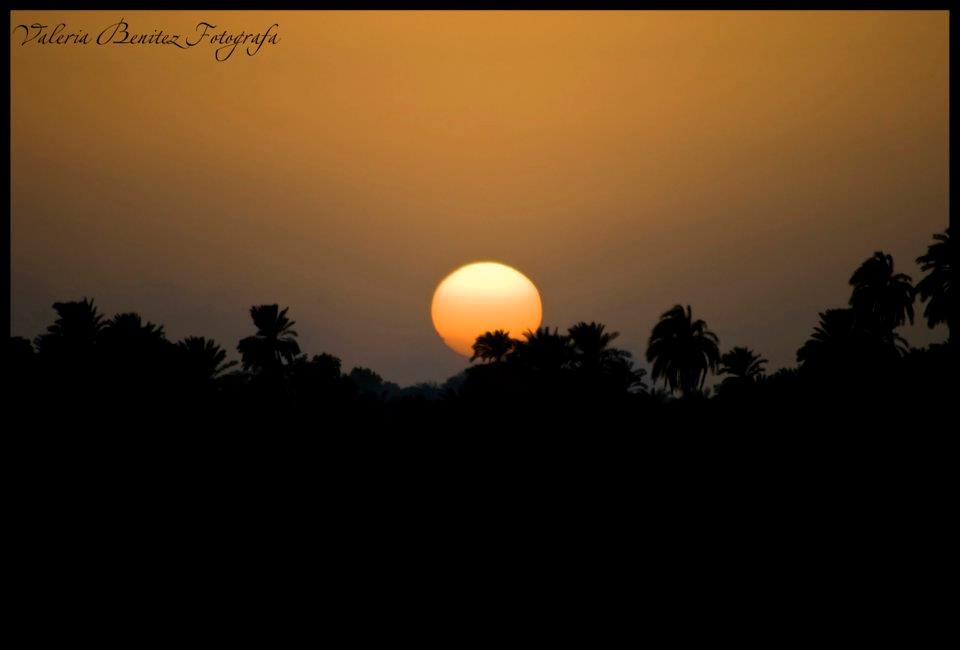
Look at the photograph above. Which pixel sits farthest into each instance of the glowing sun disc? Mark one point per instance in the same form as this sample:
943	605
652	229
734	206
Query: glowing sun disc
483	297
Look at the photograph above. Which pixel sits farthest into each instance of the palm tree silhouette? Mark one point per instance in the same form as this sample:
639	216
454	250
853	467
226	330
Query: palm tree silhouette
68	355
274	341
682	350
936	288
493	346
128	331
743	369
203	360
742	363
544	350
591	346
833	339
881	299
75	331
601	368
840	341
136	359
620	376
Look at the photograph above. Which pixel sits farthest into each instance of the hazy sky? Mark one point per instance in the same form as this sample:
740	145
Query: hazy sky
741	162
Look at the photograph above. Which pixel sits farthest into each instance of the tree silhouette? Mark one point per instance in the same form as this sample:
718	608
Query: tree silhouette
682	350
75	330
936	288
881	299
67	355
861	340
136	360
839	342
326	365
126	333
319	384
742	363
203	360
743	369
543	350
274	341
619	376
591	346
834	340
493	346
20	349
369	382
853	368
600	368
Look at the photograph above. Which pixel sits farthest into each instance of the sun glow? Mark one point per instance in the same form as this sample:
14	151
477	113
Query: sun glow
481	297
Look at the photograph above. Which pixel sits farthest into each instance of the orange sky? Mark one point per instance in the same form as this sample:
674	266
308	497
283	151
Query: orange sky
742	162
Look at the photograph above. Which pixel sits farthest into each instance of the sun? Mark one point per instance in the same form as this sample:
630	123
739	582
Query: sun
482	297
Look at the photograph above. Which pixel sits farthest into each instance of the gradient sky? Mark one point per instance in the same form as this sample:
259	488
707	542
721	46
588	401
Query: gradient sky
741	162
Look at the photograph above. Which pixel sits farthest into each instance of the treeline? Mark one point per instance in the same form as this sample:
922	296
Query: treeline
854	371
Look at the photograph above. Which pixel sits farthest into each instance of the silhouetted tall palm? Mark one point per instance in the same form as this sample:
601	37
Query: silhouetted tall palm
75	331
274	341
881	299
203	360
742	363
544	350
493	346
936	288
682	350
